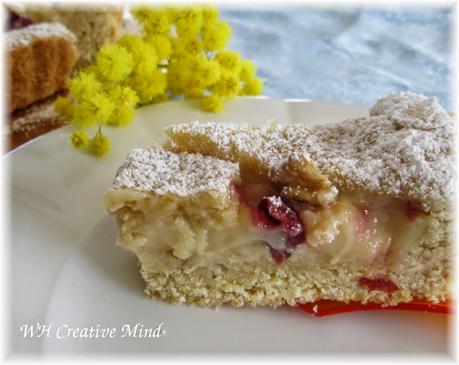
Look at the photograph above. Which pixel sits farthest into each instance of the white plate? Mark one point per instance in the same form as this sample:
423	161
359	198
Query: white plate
66	269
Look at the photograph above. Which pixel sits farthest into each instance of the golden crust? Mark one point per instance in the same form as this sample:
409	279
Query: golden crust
404	149
302	181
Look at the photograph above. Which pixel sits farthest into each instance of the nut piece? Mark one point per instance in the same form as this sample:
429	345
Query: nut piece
304	182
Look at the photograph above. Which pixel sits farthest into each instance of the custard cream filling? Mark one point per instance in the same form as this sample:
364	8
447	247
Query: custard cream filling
378	233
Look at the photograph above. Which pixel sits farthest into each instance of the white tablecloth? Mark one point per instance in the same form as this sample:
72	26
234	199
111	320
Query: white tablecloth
343	54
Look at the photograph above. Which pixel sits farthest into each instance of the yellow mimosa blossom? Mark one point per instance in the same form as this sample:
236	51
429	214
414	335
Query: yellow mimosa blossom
158	23
91	111
189	24
194	62
122	116
190	46
178	74
210	71
248	70
186	29
145	59
192	13
216	35
160	98
228	85
125	100
209	14
149	86
161	44
131	42
174	83
79	139
124	95
84	85
212	103
114	62
173	12
153	20
143	54
99	145
194	92
252	86
229	60
141	13
193	76
64	106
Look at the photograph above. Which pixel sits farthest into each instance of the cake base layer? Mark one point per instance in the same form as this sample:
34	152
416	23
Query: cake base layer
279	285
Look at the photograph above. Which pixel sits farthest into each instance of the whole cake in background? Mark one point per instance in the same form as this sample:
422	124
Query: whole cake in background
39	61
360	210
93	25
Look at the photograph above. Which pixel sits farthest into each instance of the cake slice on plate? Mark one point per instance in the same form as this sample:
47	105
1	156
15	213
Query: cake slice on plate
359	210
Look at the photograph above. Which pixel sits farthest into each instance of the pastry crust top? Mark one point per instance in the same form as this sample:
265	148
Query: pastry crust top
29	34
404	149
163	172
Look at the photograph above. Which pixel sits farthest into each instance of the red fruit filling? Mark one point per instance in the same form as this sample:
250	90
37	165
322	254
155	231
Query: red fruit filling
324	308
18	21
281	214
381	284
412	211
282	225
274	212
279	255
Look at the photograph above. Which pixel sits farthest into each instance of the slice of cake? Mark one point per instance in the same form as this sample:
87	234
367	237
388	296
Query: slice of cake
40	58
359	210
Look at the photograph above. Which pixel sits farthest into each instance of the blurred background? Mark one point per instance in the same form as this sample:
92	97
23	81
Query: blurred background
347	55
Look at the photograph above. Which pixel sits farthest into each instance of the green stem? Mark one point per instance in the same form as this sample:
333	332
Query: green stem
99	132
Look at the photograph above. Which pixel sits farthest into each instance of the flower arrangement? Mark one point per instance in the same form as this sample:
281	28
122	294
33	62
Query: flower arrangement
180	53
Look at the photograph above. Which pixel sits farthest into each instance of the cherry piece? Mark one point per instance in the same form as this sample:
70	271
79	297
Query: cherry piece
18	21
274	212
279	255
412	211
381	284
281	214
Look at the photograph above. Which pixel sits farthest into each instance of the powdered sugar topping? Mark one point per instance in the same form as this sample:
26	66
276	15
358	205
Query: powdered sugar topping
184	174
403	149
25	36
